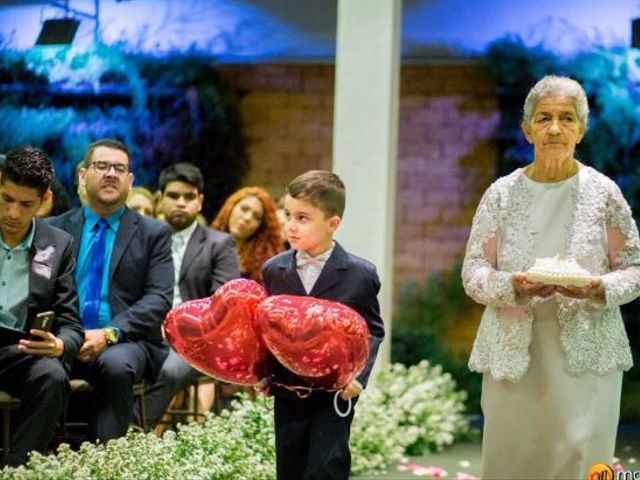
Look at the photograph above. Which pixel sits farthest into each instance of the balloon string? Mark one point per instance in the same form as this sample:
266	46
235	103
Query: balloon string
304	392
301	392
337	409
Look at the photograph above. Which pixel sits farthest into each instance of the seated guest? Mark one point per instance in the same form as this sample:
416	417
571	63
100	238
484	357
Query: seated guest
125	285
142	201
80	190
37	276
249	215
157	212
57	203
203	260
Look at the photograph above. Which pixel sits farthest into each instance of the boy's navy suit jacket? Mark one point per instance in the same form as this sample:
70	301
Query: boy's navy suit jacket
345	278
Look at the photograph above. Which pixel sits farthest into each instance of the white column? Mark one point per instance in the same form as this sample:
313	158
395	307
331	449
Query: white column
365	134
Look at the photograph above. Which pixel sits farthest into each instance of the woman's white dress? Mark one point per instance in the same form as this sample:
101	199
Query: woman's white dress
567	422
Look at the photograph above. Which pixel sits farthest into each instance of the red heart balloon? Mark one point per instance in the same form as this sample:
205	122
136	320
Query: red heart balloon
216	335
324	342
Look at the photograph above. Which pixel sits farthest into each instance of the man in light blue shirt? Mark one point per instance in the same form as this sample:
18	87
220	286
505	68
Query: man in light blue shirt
14	280
36	276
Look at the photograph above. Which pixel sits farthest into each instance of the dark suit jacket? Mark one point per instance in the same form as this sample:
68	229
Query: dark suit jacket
345	278
52	286
209	261
141	277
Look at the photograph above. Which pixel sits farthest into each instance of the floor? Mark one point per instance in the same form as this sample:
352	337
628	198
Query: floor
462	460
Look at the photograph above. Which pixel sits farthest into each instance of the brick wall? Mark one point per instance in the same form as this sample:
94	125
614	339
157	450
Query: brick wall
446	159
287	112
448	114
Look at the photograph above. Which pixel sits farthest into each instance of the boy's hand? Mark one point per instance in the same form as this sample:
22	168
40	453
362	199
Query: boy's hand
353	389
263	386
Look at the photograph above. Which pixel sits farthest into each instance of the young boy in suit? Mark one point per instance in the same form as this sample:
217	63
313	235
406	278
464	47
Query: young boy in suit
312	441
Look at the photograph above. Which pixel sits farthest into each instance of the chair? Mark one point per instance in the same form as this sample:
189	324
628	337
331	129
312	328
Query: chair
192	408
82	386
7	405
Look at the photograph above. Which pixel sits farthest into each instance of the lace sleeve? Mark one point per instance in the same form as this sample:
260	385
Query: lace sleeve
481	280
622	284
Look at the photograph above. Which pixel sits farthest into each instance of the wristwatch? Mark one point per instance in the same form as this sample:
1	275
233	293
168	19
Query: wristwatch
112	334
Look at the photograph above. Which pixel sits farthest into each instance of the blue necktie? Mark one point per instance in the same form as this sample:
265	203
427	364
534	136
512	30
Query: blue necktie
91	304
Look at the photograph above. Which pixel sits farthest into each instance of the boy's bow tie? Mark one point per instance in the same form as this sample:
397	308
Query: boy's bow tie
303	259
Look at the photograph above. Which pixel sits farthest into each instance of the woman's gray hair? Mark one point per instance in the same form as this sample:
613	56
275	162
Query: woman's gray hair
554	86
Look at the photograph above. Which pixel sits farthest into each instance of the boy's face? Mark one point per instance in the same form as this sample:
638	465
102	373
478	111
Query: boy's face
307	227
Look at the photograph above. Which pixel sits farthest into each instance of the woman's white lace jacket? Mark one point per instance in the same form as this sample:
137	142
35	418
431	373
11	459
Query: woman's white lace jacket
602	237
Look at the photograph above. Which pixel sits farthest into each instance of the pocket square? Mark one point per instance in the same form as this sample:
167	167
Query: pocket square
45	255
41	270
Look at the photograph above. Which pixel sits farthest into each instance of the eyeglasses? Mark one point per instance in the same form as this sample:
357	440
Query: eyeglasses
104	167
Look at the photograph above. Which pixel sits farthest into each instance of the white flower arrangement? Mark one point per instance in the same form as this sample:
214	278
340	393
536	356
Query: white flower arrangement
408	410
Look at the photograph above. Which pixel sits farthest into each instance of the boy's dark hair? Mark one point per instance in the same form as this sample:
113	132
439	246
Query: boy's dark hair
105	142
182	172
322	189
28	167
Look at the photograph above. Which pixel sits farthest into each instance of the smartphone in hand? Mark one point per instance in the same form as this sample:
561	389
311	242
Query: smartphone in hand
43	321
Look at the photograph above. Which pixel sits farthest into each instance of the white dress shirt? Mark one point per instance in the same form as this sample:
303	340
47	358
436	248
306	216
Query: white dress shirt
179	241
309	268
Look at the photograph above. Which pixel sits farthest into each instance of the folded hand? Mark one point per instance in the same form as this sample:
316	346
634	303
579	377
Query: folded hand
95	342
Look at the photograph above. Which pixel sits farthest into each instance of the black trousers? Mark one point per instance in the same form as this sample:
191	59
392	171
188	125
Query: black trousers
112	376
312	441
42	384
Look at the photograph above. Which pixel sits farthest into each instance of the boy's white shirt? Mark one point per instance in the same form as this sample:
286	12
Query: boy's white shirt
179	241
309	268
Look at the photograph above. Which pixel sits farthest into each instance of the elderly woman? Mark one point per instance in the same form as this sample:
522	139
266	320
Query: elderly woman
249	215
552	356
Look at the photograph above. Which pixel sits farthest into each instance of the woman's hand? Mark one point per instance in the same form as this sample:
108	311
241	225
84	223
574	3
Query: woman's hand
524	287
594	291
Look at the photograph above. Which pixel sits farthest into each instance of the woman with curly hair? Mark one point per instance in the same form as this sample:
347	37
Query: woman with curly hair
249	215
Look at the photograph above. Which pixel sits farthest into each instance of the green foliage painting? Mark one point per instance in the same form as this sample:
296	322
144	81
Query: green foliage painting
610	78
166	110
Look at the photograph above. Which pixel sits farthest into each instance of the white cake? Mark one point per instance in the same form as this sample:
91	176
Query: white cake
559	270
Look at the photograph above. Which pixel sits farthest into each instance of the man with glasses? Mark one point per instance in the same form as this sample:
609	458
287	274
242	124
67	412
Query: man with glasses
125	284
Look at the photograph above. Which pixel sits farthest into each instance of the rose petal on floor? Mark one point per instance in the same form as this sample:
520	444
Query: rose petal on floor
466	476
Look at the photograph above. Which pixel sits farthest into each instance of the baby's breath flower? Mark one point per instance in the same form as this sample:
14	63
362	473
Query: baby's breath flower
410	409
